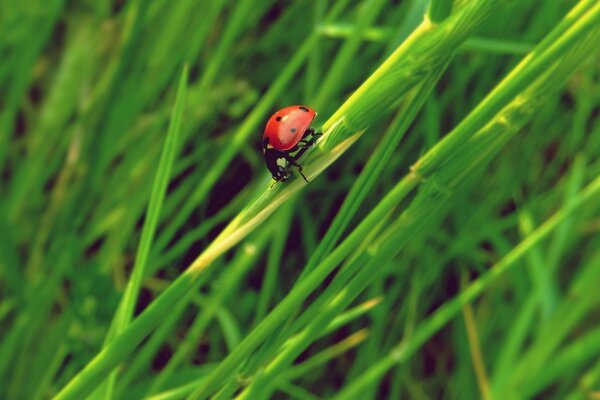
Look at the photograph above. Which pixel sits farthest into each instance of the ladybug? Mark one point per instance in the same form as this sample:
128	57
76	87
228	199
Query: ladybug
288	131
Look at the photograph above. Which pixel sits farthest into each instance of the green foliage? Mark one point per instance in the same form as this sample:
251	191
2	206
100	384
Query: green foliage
447	243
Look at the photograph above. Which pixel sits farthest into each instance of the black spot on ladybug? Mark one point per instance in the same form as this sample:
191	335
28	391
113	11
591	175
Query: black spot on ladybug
303	108
277	119
293	130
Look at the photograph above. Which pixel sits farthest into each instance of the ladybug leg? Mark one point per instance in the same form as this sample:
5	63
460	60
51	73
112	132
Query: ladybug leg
305	142
292	160
308	132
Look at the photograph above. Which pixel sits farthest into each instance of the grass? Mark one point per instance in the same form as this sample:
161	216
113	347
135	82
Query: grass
446	244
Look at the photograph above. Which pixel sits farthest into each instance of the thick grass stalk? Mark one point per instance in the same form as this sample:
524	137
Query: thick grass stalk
424	52
484	144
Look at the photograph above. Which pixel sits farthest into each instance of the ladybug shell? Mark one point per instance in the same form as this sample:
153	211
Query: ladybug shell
286	127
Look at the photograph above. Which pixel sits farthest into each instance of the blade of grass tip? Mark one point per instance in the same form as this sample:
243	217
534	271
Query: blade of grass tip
327	355
126	307
229	327
453	307
157	197
411	20
352	314
159	258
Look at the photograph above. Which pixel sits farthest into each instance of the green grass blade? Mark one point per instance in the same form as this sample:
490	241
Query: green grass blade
454	307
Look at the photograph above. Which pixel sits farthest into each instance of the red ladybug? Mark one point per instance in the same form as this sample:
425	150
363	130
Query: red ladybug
288	131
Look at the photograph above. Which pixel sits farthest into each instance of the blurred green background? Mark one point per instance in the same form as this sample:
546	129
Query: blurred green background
87	91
